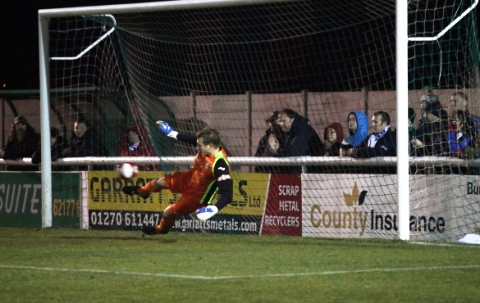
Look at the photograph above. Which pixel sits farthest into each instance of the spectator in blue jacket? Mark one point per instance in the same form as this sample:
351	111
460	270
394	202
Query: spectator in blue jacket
357	129
300	140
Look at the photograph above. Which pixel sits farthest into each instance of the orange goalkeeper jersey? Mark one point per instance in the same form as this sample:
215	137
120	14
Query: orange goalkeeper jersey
201	179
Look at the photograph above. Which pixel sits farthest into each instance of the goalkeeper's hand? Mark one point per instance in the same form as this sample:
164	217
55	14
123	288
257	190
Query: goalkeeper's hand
166	129
207	212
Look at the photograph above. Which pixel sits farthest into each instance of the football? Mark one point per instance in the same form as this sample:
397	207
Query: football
127	170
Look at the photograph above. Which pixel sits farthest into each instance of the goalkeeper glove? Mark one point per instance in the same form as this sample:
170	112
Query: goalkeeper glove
207	212
167	129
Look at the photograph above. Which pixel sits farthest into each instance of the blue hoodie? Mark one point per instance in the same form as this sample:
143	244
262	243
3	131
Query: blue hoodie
362	130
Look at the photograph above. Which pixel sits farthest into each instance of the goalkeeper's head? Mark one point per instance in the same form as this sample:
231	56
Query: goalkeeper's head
209	136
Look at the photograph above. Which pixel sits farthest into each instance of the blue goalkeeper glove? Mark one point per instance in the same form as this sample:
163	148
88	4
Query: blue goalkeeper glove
207	212
166	129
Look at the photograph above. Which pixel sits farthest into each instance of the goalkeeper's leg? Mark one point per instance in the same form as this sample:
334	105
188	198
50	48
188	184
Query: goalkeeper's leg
184	206
153	186
166	222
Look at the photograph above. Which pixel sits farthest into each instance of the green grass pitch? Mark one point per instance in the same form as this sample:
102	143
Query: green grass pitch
68	265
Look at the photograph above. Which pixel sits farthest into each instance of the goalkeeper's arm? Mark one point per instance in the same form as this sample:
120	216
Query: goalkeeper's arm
224	183
165	128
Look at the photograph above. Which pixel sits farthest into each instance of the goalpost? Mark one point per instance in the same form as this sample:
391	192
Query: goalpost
230	63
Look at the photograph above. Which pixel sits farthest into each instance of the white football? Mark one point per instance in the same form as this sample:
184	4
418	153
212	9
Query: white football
127	170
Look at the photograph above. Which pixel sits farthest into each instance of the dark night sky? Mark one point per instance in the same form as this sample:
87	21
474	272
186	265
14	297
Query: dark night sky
19	45
19	38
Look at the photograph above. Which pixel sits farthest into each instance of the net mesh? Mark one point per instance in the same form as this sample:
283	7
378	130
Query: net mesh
230	68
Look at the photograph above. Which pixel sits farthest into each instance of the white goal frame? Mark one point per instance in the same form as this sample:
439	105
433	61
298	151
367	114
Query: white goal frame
402	161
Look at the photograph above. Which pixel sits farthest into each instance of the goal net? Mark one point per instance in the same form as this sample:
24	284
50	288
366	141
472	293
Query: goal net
230	65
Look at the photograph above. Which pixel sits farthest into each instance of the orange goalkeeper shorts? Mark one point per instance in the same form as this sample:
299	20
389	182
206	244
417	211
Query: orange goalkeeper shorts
188	202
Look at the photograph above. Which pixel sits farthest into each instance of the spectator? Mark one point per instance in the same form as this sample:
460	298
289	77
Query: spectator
135	144
56	148
22	143
461	139
357	129
411	128
84	142
425	100
428	98
333	136
273	136
459	101
381	143
430	137
301	140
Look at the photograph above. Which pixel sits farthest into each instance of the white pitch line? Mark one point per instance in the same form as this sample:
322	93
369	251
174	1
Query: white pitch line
120	272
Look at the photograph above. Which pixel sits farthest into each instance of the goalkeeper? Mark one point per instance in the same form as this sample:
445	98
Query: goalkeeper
210	173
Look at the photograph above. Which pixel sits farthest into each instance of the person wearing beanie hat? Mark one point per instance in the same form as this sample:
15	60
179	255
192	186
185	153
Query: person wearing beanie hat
273	135
430	137
301	139
425	100
135	144
22	143
273	117
20	119
333	137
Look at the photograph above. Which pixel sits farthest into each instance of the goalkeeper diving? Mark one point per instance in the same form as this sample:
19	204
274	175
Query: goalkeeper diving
209	175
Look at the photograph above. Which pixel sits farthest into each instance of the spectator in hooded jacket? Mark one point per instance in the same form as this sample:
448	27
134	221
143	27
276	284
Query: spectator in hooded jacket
22	143
135	144
300	140
56	149
273	136
357	129
333	137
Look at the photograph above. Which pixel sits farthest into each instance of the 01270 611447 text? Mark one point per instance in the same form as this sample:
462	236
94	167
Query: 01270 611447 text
122	219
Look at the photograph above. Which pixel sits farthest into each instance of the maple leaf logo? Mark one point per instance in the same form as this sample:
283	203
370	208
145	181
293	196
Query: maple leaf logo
351	199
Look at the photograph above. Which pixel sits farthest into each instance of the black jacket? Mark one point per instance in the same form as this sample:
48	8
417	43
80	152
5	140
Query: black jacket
301	140
264	150
55	152
89	145
25	149
386	146
434	138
